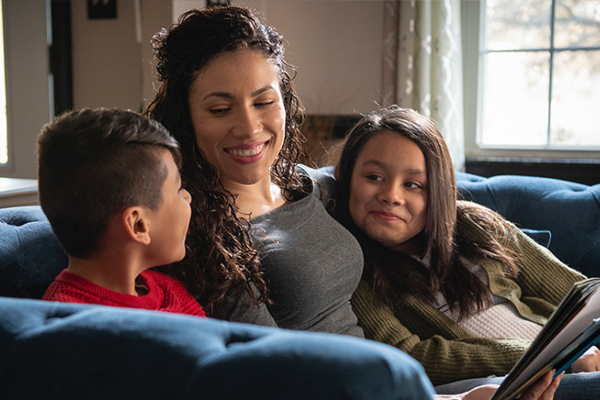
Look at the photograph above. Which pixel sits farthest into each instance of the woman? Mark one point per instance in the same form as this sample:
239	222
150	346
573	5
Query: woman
444	279
228	98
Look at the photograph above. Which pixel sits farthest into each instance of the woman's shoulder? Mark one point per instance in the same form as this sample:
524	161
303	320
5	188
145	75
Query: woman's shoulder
323	177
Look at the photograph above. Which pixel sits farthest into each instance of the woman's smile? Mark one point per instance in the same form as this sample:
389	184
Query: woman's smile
246	154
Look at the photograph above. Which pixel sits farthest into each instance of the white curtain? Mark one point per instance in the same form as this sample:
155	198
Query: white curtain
422	64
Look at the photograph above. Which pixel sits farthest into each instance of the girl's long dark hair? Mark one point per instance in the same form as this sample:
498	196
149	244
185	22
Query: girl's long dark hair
395	275
220	257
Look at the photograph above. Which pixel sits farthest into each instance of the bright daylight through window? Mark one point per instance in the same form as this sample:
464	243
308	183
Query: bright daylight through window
541	74
3	129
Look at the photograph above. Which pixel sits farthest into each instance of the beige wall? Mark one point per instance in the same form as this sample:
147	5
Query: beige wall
336	46
111	61
156	14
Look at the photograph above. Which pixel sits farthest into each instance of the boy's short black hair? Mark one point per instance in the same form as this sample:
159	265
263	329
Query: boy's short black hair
94	163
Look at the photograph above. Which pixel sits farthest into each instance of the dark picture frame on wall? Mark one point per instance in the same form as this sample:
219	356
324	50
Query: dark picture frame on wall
102	9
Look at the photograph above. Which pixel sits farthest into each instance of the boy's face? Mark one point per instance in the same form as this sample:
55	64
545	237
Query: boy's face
169	224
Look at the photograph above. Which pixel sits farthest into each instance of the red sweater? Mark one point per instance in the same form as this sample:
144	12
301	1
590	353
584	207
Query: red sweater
164	294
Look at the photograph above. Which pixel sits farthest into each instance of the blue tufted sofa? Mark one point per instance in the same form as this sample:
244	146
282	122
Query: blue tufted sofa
69	351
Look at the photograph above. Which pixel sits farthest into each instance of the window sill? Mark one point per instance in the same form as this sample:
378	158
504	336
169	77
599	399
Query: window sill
18	192
576	170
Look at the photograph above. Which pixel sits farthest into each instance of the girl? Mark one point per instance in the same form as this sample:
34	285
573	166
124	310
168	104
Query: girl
449	282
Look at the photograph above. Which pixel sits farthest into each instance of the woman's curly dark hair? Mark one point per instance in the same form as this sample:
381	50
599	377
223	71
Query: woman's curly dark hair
220	255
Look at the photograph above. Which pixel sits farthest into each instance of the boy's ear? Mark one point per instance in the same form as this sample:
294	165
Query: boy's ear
136	225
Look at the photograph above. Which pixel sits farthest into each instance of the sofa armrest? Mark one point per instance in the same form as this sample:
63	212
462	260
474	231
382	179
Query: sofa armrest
30	255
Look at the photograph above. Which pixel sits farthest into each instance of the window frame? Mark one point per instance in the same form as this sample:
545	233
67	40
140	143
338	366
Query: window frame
472	36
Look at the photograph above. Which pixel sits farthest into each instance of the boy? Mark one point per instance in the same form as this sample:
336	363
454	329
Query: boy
109	184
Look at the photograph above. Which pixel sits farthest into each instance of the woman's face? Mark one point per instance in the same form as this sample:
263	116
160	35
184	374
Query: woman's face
238	116
388	190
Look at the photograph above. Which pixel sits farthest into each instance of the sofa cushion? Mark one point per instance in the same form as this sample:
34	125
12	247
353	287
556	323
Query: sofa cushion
64	351
30	255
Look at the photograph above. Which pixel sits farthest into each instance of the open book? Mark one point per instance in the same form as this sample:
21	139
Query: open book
572	329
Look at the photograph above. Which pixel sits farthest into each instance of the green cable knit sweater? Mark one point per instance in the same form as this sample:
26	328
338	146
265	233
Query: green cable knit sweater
449	352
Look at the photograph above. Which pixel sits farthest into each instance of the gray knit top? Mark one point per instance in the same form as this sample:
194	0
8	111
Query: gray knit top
311	264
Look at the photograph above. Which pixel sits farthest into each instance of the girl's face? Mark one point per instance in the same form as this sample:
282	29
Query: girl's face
238	116
388	190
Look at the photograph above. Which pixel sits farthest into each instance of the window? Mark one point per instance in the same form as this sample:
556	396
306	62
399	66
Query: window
3	129
26	80
537	69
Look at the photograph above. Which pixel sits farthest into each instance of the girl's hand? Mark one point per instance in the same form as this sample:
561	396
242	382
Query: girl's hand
543	389
589	361
483	392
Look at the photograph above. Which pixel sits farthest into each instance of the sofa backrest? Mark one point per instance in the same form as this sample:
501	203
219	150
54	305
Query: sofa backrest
570	211
30	255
